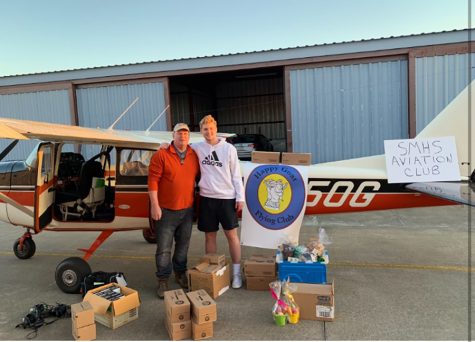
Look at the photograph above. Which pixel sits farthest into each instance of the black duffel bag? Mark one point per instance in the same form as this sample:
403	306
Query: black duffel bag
99	278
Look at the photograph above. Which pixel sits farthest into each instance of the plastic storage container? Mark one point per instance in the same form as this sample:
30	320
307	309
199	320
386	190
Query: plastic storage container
313	273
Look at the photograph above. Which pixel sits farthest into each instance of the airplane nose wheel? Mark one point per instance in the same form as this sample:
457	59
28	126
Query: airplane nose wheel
24	250
70	273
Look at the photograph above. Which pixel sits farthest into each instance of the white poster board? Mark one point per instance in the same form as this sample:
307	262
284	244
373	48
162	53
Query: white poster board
421	160
276	197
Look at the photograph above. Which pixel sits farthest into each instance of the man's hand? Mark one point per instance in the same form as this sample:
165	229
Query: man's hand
239	206
164	145
156	212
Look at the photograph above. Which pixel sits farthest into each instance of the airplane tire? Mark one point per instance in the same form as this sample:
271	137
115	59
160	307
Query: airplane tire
70	272
149	235
28	250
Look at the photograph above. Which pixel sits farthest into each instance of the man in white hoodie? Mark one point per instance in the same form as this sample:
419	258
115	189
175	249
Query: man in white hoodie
221	192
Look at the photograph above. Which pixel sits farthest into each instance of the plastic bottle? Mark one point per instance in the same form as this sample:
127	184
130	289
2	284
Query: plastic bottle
278	256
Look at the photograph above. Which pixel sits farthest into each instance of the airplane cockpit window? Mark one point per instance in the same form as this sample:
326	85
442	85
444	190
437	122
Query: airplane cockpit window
47	164
135	162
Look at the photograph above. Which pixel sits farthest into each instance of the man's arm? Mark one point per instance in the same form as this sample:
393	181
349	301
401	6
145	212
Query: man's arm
155	210
154	175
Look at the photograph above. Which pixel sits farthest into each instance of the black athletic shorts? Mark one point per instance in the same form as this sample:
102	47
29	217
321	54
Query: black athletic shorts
213	211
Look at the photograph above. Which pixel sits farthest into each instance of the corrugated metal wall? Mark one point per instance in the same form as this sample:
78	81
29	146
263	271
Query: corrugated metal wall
49	106
439	80
253	106
100	107
341	112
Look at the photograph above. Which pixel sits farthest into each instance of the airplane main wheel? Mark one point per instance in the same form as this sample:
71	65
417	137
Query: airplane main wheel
26	251
149	235
70	272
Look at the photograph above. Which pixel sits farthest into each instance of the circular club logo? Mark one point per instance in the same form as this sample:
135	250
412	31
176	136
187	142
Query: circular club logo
275	195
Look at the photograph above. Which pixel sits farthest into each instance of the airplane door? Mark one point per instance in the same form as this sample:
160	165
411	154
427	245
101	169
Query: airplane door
44	190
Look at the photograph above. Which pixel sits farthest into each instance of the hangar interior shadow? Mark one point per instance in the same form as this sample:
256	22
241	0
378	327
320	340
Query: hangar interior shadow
243	102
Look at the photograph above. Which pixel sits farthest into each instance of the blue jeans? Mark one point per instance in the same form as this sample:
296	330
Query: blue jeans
174	225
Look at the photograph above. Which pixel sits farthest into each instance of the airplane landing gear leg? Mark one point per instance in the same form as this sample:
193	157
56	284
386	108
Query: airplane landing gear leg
24	247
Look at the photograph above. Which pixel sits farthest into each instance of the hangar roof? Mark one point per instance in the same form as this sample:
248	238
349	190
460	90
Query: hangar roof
236	59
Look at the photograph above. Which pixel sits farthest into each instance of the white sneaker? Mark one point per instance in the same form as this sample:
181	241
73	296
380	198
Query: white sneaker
237	282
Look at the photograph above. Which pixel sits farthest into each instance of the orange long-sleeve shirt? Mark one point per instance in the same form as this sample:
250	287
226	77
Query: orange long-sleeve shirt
173	181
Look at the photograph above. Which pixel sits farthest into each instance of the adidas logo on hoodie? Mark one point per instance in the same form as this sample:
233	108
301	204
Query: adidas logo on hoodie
212	159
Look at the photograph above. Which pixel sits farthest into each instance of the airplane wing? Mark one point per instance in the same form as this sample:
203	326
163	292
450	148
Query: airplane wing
26	129
8	133
461	192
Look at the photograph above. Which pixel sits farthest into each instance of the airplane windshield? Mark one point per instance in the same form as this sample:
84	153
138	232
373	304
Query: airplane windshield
32	158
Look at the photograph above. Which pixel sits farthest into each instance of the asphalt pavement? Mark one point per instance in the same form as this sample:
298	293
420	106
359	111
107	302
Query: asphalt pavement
399	275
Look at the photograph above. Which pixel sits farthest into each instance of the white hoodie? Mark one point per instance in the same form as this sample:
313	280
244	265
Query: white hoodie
220	170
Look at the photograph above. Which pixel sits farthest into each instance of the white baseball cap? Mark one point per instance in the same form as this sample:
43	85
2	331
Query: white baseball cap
180	126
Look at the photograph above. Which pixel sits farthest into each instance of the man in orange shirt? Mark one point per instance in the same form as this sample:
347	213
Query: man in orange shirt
171	184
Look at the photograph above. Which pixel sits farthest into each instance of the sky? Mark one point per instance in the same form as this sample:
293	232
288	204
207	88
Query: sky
51	35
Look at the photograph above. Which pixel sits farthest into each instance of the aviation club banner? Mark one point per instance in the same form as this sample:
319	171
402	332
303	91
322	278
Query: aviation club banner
276	197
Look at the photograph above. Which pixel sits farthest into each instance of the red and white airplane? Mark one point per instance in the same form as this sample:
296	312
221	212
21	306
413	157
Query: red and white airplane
56	189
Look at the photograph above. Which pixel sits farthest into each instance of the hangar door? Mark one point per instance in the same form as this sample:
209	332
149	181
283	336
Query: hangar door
49	106
100	106
347	111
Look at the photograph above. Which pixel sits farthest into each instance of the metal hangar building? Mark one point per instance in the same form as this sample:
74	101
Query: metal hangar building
336	101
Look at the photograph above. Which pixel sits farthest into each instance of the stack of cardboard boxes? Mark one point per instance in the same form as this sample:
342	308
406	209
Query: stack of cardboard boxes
178	320
189	315
259	271
288	158
204	313
83	325
212	274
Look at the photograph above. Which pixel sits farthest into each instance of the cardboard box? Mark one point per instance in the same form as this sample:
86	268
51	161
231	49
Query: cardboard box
84	333
214	279
259	266
259	283
215	259
178	330
203	307
177	306
316	301
201	331
296	158
261	157
114	314
82	314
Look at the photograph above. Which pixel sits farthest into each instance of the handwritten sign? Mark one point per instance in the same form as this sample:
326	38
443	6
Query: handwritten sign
421	160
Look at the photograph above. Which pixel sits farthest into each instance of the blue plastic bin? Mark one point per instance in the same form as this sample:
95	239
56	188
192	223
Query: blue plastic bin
314	273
